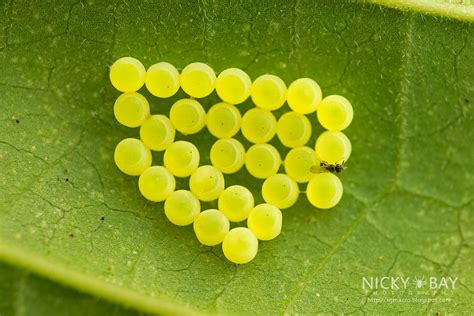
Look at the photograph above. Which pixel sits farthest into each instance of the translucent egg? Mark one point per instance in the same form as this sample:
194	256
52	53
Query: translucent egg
262	161
280	190
258	126
156	183
188	116
223	120
236	202
181	158
333	147
127	74
268	92
293	129
324	190
210	227
304	95
335	113
206	183
265	221
157	132
228	155
182	207
132	157
131	109
233	86
240	245
162	80
298	163
198	80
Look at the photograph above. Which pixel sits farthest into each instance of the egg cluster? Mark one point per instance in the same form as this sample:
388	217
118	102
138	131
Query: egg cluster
262	160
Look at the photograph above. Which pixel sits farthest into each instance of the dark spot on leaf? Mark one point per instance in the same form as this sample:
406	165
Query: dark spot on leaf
466	100
67	179
102	218
71	235
17	121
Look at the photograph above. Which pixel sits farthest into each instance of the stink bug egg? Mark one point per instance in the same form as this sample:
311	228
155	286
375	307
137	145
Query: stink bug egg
132	157
280	190
156	183
304	95
210	227
223	120
228	155
181	158
265	221
298	163
206	183
268	92
157	132
233	85
293	129
162	80
240	245
188	116
335	113
131	109
198	80
324	190
262	161
333	147
236	202
258	126
182	207
127	74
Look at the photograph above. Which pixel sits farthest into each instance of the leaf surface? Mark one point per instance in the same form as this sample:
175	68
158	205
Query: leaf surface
67	212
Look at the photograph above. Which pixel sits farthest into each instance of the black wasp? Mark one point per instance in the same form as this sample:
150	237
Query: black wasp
332	168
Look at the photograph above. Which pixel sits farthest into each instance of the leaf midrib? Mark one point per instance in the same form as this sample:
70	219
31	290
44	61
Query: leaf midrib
459	11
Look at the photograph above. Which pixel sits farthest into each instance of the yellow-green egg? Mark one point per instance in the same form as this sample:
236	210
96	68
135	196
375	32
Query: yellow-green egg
188	116
228	155
182	207
127	74
262	161
298	163
293	129
333	147
207	183
304	94
198	80
258	125
265	221
280	190
157	132
335	113
181	158
132	157
240	245
223	120
162	80
233	86
131	109
236	202
268	92
324	190
156	183
210	227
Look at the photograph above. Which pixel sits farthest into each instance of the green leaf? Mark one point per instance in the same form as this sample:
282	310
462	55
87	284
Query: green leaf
68	214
